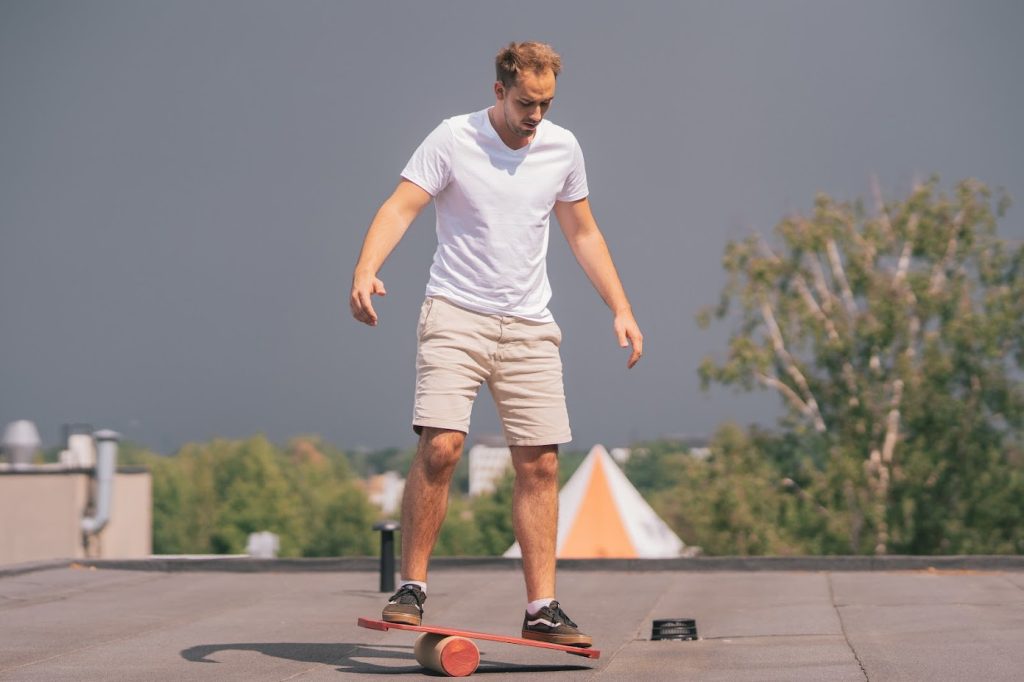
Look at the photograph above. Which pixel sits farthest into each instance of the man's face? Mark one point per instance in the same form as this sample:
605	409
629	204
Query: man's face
525	103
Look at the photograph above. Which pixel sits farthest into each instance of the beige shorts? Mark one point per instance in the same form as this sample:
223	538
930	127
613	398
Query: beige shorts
518	359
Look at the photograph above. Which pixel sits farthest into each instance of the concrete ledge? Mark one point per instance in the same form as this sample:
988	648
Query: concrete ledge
237	564
51	470
802	563
695	564
32	567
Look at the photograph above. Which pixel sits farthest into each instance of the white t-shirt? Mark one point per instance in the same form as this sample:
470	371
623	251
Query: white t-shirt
493	208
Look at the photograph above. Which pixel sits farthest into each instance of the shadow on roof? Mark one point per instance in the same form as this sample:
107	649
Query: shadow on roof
351	657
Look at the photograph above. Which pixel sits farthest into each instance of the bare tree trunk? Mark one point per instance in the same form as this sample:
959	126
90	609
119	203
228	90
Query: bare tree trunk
879	468
811	409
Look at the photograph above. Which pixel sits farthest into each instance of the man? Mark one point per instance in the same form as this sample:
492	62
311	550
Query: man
495	177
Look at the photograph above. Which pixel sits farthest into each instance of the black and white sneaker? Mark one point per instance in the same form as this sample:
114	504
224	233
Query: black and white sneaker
406	606
551	624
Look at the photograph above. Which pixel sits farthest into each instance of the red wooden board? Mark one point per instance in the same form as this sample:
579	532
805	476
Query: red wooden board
384	625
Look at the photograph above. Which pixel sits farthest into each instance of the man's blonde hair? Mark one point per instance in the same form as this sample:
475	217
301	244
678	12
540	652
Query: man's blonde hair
529	56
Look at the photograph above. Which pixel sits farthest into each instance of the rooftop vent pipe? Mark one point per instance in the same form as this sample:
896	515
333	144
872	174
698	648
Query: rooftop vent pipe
21	441
106	464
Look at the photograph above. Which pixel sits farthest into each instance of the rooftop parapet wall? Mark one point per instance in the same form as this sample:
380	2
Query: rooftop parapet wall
41	512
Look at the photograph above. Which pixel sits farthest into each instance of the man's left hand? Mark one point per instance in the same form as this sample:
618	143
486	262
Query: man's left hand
628	332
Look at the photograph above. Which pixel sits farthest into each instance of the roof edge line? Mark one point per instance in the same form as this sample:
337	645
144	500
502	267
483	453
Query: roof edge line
683	564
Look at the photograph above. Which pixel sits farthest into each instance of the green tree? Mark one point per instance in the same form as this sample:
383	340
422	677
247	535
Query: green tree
895	340
184	502
173	510
253	495
210	496
568	462
735	501
493	516
337	514
656	466
460	533
482	525
479	526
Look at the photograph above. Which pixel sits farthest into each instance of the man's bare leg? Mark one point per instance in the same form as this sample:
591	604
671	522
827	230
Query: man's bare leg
535	515
425	499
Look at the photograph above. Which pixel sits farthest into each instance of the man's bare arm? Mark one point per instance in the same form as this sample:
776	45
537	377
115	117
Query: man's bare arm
589	247
392	220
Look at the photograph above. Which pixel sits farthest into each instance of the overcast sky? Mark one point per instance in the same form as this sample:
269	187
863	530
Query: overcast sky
184	187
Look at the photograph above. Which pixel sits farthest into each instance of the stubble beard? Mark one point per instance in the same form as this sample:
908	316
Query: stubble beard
514	129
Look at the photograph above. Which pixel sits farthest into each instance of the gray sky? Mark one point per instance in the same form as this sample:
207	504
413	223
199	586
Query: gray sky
184	187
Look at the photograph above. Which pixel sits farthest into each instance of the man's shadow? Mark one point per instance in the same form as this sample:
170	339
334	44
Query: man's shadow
355	657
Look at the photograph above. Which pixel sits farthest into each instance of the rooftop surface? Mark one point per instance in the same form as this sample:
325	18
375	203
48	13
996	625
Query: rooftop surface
830	620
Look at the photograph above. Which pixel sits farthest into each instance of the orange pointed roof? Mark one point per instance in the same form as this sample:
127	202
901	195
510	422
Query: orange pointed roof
597	530
601	514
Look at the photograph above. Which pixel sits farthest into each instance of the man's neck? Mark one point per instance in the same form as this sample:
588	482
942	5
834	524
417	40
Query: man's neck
511	141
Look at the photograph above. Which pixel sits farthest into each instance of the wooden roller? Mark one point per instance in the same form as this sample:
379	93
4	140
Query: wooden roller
453	656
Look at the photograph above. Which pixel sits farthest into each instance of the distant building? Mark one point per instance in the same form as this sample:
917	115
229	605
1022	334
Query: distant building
697	447
700	452
488	462
385	490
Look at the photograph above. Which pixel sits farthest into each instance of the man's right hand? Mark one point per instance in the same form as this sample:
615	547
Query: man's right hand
392	220
363	287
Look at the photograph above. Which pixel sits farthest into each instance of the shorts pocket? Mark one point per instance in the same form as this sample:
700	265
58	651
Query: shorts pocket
425	310
556	334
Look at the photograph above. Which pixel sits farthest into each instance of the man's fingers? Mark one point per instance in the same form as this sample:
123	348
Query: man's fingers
629	334
360	301
362	308
369	312
637	339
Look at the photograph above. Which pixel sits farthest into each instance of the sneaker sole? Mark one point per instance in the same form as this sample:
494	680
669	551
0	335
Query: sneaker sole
402	618
582	641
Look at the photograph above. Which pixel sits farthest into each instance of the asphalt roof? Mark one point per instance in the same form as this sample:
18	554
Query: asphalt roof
917	619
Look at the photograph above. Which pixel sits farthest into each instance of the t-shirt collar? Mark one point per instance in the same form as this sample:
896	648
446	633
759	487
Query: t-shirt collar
494	133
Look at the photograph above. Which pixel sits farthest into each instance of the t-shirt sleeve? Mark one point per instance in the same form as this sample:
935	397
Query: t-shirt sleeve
575	187
431	163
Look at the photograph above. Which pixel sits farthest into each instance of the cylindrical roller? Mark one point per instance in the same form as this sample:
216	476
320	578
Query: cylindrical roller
452	656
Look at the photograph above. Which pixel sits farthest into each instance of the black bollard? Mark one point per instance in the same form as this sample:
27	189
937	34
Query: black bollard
387	554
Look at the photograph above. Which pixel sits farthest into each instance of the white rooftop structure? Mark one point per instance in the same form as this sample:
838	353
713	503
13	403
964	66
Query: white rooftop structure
487	464
385	490
21	441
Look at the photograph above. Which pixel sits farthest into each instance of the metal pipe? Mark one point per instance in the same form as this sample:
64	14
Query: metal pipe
106	465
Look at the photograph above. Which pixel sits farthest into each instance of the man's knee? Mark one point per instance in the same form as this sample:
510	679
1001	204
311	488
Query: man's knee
537	464
440	450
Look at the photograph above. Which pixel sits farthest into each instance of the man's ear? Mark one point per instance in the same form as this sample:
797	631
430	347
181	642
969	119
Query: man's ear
499	90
